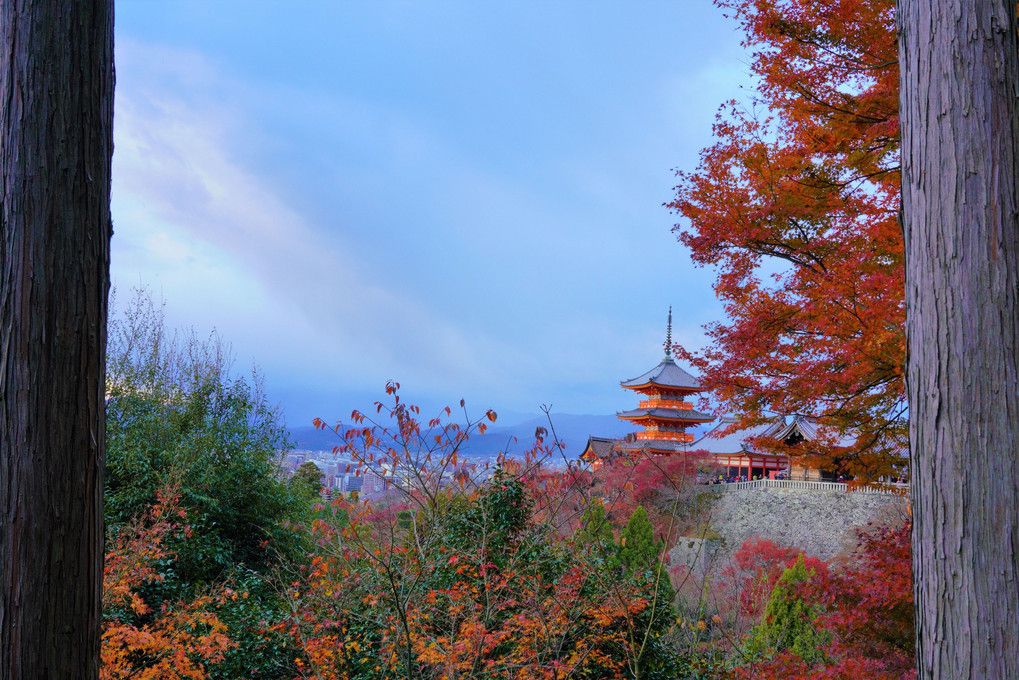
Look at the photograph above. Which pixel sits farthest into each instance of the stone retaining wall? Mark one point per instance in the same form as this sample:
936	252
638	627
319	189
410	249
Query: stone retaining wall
821	522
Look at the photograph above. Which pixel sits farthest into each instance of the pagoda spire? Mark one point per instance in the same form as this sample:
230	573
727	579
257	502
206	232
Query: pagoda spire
668	336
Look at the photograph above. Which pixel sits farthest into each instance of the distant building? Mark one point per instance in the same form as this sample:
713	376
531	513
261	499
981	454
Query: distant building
374	482
665	413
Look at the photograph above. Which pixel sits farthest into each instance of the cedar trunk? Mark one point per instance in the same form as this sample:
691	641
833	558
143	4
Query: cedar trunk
960	203
56	143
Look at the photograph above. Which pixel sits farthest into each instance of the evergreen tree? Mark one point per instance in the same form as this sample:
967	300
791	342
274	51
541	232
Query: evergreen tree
960	188
56	145
595	530
788	623
307	480
639	550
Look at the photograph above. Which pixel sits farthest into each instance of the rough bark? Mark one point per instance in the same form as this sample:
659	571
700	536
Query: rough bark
960	137
56	143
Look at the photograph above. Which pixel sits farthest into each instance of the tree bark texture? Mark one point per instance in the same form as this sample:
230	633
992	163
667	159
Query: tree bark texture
56	144
960	203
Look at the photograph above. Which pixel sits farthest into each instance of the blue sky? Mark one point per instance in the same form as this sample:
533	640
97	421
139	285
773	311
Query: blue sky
462	196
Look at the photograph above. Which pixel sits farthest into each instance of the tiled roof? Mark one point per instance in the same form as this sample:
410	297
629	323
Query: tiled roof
665	374
682	415
601	447
658	445
807	428
736	441
739	440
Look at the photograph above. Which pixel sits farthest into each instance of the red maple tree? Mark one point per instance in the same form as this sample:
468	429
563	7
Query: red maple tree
795	205
867	605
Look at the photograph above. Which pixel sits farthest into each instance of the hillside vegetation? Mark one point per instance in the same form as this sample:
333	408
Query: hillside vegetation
219	567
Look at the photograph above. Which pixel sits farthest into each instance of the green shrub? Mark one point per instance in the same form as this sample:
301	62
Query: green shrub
176	417
788	623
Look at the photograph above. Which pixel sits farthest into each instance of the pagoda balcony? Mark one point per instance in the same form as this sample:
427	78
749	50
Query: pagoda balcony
665	435
666	402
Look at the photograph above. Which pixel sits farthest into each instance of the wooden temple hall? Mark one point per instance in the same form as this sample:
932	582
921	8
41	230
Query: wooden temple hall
664	415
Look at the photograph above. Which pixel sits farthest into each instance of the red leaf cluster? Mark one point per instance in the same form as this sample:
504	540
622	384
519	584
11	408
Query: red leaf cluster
867	603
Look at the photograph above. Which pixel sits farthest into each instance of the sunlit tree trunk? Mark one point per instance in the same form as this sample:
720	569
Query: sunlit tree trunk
960	138
56	143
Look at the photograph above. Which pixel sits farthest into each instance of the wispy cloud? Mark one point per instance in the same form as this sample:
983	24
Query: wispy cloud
225	244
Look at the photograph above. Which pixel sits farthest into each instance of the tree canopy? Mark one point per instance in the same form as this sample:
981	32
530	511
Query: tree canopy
795	206
178	418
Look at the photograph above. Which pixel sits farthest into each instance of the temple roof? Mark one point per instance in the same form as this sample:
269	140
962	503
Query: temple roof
606	449
736	442
665	374
741	441
600	448
807	428
658	445
678	414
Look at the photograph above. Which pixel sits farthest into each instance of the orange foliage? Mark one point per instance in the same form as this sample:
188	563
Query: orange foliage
171	643
452	577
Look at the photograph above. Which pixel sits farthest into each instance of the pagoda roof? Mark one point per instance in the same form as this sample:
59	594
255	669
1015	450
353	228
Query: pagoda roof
678	414
665	374
602	448
658	445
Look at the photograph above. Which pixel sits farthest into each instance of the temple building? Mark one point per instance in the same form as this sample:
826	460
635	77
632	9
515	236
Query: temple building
738	454
665	415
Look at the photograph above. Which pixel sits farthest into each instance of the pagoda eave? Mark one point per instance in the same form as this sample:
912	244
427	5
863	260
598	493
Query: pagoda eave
671	389
666	375
659	447
666	414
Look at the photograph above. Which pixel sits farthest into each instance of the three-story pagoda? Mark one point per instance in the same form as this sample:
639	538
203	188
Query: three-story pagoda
664	413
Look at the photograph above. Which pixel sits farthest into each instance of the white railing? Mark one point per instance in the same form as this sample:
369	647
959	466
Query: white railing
800	485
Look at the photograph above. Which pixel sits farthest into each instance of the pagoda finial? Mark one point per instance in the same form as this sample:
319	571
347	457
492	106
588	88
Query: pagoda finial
668	336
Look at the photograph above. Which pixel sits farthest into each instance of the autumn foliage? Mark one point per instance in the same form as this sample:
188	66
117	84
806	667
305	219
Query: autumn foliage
756	568
519	571
523	569
451	577
862	608
795	205
171	640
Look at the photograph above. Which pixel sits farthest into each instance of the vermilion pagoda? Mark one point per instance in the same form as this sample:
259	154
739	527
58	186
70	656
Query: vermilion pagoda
664	414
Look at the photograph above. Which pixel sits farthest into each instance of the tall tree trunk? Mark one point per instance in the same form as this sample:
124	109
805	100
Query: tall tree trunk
56	143
960	202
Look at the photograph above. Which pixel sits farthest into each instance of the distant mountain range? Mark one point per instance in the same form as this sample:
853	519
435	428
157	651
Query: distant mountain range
571	430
